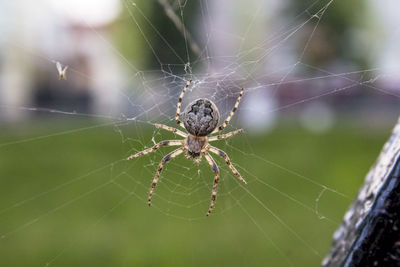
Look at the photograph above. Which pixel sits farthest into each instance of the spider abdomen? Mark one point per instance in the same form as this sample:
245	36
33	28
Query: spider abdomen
201	117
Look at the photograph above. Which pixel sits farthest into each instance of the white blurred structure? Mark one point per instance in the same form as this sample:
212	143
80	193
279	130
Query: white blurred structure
386	39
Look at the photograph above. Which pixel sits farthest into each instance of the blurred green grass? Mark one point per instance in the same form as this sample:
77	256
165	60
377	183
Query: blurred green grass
66	199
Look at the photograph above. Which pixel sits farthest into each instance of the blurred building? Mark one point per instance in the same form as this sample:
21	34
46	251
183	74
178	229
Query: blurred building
35	35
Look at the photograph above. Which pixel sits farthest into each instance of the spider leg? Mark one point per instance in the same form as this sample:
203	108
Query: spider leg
224	136
178	105
165	159
170	129
220	128
223	155
215	169
156	146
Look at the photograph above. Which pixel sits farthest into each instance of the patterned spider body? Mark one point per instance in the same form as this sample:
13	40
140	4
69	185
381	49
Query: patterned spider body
200	118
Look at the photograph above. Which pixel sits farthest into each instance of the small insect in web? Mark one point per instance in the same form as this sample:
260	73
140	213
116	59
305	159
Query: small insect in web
200	119
61	71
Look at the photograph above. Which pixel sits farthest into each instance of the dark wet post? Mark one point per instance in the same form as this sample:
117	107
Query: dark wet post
370	232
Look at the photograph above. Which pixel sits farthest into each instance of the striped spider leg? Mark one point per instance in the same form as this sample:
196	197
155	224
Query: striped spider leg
223	155
224	136
170	129
157	146
178	105
215	169
165	159
220	128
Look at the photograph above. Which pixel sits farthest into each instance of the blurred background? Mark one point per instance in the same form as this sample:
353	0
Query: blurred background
322	90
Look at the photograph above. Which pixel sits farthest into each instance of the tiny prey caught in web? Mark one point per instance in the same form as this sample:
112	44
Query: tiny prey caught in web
62	75
200	119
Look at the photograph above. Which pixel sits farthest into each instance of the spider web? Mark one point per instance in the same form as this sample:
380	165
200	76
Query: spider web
183	193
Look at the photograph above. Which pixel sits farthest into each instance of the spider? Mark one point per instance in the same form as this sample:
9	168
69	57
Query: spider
200	119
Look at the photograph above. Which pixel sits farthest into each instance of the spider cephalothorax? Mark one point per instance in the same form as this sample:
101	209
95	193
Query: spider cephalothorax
195	144
200	118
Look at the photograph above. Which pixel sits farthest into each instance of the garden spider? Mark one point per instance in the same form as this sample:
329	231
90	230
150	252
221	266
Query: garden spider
200	118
